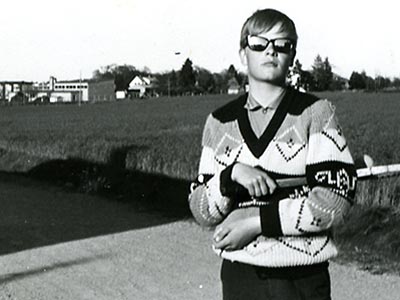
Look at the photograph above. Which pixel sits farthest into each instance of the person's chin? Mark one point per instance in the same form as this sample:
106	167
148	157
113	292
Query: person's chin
273	79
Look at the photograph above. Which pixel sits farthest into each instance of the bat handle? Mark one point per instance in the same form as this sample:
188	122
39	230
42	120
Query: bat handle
291	182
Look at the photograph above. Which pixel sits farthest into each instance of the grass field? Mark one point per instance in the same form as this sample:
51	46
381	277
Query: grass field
162	136
155	143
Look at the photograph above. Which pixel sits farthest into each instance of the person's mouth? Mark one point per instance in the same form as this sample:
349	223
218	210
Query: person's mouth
270	64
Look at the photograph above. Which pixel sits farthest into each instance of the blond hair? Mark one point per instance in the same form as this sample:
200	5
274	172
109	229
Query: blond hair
264	20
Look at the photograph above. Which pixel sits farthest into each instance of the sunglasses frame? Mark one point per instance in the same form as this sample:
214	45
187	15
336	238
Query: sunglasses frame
271	41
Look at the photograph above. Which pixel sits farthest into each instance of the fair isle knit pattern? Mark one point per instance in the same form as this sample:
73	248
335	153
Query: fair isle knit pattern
302	139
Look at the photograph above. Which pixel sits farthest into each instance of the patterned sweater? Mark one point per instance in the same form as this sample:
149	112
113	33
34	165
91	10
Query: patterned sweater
303	138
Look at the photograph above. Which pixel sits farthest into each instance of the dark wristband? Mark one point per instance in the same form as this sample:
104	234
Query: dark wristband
270	220
228	187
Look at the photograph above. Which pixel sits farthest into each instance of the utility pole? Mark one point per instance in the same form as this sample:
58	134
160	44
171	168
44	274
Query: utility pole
169	85
80	88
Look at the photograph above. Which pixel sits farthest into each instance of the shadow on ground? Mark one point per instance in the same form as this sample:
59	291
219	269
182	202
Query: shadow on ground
64	200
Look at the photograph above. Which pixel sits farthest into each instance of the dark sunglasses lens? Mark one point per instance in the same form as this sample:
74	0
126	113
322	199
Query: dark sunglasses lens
257	47
283	45
256	43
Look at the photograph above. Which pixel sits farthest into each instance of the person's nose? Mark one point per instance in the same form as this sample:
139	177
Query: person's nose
270	50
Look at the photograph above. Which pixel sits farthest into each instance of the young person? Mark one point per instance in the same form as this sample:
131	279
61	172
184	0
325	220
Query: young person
275	241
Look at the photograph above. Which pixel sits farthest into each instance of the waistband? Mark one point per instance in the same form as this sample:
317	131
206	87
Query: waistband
244	270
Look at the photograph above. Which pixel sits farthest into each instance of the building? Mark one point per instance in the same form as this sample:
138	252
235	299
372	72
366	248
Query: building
53	91
120	95
68	91
233	87
100	91
10	90
141	86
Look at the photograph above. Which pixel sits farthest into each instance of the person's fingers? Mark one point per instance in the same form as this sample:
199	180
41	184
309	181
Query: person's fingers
228	243
257	186
223	243
264	188
251	189
220	234
271	184
229	247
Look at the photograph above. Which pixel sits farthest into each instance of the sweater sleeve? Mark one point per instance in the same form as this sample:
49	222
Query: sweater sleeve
331	178
209	200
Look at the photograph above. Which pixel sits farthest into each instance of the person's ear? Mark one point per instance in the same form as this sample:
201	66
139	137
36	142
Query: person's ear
243	57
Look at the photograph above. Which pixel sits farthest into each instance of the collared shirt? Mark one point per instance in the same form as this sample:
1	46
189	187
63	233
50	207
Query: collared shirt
260	116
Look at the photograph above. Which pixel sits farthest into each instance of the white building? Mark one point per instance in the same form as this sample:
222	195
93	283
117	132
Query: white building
68	91
140	86
63	91
233	87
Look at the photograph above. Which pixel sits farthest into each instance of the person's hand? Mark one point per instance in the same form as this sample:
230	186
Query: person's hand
256	181
238	229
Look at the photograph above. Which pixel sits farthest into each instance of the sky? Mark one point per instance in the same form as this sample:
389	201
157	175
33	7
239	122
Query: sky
70	39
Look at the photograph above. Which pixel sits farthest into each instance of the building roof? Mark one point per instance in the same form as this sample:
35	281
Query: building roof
233	83
141	81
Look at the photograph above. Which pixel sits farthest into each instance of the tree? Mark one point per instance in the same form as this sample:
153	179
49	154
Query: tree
103	73
173	83
300	78
328	73
122	74
297	67
187	77
167	83
308	81
233	73
356	81
322	73
243	80
294	75
396	83
221	85
338	83
205	82
382	82
369	82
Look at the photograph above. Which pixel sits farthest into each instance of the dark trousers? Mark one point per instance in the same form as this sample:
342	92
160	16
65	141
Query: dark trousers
246	282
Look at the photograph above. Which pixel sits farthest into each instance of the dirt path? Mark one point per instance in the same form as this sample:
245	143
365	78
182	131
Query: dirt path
59	245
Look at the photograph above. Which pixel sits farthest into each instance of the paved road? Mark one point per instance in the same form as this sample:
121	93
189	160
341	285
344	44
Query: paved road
60	245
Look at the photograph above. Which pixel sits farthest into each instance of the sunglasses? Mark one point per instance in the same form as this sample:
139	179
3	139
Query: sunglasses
281	45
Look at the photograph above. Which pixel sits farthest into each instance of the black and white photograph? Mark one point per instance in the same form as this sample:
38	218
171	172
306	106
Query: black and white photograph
218	150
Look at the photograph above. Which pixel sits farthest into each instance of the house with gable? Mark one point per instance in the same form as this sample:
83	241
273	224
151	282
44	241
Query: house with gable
141	86
233	87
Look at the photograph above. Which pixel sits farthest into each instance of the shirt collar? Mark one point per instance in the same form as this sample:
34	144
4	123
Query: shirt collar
252	104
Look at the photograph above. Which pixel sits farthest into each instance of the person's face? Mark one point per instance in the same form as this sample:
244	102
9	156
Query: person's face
268	65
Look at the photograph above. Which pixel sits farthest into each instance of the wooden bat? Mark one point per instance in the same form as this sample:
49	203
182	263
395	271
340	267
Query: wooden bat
370	172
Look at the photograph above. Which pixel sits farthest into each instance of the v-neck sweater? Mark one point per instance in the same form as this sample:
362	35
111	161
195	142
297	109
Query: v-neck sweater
259	115
303	138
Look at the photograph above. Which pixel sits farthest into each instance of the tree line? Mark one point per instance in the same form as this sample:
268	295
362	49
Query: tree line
192	79
361	81
322	78
189	79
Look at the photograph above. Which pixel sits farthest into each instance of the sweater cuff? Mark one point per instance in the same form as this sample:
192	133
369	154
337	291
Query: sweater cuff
228	187
270	220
